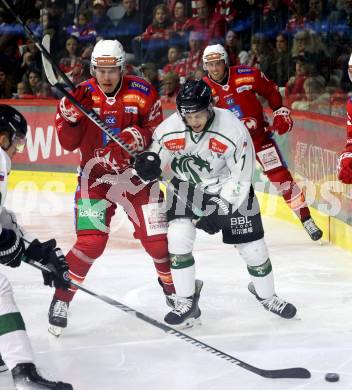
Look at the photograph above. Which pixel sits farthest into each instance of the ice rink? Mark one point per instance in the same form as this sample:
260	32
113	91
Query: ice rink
104	348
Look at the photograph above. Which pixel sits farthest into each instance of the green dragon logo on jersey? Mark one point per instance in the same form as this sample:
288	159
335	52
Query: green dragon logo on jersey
190	166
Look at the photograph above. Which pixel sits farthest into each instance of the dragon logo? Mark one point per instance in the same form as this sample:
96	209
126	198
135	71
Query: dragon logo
190	166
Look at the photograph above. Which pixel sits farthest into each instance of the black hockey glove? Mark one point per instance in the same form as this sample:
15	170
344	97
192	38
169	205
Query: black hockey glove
59	275
147	166
11	248
47	254
39	251
217	211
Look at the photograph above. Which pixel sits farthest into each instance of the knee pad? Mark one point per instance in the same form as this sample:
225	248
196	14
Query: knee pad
181	235
5	286
91	245
157	249
254	253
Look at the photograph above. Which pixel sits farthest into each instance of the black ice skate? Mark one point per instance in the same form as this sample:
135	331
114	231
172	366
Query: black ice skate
169	297
312	229
3	366
275	304
57	316
186	313
26	377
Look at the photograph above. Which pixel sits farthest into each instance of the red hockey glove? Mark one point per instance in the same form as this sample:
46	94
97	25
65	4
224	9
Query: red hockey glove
68	111
118	156
344	167
282	122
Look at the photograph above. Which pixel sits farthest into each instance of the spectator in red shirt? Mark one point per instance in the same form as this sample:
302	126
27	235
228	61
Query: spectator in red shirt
174	55
295	86
70	62
178	16
211	25
23	91
152	44
297	20
178	35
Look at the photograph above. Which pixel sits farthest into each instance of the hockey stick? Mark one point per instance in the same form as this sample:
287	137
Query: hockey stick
296	372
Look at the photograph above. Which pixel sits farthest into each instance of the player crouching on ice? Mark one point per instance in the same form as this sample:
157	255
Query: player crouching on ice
15	246
212	158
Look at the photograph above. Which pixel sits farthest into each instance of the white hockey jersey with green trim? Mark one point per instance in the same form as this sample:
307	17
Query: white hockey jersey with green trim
220	159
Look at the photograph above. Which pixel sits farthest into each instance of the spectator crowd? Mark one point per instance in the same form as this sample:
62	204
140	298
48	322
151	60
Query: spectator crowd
303	45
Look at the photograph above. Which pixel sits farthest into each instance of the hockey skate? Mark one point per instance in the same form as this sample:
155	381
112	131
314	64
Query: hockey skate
275	304
170	298
26	377
312	229
3	366
57	316
186	313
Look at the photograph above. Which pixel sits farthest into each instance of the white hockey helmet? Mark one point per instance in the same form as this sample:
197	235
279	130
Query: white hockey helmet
107	54
214	53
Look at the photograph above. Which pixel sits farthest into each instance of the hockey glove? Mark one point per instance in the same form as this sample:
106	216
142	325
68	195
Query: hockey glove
47	254
11	248
217	212
69	111
344	167
39	251
282	122
59	275
147	166
118	156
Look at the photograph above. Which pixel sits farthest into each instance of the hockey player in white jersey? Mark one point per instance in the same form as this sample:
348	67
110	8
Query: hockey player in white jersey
15	246
212	160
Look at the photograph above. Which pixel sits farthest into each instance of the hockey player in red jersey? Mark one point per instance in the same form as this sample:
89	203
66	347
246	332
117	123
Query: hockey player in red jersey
344	168
235	89
129	105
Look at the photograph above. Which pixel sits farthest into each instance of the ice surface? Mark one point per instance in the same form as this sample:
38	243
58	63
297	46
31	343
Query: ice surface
104	348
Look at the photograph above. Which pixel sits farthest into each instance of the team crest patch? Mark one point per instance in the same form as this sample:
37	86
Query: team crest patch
217	146
190	167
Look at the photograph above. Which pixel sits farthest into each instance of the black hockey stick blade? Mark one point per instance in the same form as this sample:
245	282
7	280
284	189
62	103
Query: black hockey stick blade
294	373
